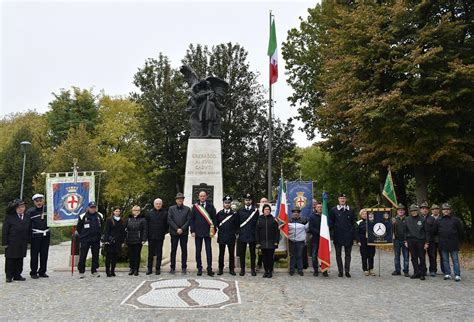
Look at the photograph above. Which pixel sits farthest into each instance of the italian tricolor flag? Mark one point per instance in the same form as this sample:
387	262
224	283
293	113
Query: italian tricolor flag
282	209
324	252
273	53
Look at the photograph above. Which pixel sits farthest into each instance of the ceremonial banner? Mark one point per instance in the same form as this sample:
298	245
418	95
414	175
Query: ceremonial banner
281	212
379	226
67	199
300	194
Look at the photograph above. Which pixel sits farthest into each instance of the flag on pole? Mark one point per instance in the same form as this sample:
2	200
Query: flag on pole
273	53
388	189
282	209
324	251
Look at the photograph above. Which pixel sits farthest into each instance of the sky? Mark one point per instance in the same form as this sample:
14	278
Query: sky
49	45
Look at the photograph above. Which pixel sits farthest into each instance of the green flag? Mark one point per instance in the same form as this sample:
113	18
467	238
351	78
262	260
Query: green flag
389	190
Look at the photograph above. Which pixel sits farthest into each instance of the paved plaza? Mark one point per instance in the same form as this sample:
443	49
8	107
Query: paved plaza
190	297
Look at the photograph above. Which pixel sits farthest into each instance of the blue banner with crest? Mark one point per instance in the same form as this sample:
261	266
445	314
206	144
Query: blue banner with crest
300	194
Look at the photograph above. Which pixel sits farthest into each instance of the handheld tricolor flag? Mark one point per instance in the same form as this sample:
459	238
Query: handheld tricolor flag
324	251
282	208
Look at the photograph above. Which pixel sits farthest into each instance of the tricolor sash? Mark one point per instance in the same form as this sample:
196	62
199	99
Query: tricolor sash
226	219
207	217
248	219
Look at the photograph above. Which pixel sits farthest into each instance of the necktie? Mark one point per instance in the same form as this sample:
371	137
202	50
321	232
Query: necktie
21	216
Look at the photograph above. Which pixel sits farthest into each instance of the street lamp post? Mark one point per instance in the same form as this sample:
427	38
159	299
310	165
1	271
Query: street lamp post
24	145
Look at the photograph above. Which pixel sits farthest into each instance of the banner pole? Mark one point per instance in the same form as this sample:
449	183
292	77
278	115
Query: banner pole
379	259
73	251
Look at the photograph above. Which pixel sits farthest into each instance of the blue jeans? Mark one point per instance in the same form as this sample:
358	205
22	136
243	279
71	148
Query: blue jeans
454	258
399	246
296	255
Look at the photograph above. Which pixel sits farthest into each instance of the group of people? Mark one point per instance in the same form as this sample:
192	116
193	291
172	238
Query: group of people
249	227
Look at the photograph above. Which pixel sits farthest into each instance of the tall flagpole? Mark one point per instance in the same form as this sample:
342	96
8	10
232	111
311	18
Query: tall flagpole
270	123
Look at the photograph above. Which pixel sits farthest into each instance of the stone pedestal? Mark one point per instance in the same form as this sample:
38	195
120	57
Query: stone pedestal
203	171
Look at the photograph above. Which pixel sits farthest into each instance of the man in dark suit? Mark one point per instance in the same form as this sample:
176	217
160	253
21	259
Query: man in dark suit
157	220
16	233
341	221
203	223
178	221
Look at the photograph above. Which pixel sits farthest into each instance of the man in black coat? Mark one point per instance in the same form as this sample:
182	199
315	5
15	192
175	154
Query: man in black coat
248	217
40	237
89	227
157	220
416	241
314	229
203	223
450	232
15	237
227	224
433	248
341	221
178	222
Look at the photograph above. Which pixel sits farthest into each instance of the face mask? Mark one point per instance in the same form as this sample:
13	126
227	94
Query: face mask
117	218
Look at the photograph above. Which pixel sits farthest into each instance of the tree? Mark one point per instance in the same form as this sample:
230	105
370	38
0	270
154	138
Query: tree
394	80
165	125
68	110
121	152
12	164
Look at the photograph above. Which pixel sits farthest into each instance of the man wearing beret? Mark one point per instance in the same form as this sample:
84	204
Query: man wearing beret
416	241
399	242
450	231
342	221
227	224
40	237
433	248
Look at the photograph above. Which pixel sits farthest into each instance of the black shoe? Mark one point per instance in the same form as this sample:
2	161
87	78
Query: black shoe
340	274
270	275
348	274
325	274
210	273
199	273
292	273
135	273
242	273
43	275
131	272
315	273
265	275
19	278
300	273
172	271
113	274
414	276
35	277
422	277
406	274
220	272
254	273
108	274
184	271
395	273
232	273
158	272
149	272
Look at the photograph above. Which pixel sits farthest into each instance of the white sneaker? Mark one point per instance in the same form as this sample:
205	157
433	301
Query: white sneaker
447	277
457	278
81	275
96	274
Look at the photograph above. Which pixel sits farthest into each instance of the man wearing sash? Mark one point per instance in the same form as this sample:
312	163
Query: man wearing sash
248	217
227	224
203	223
